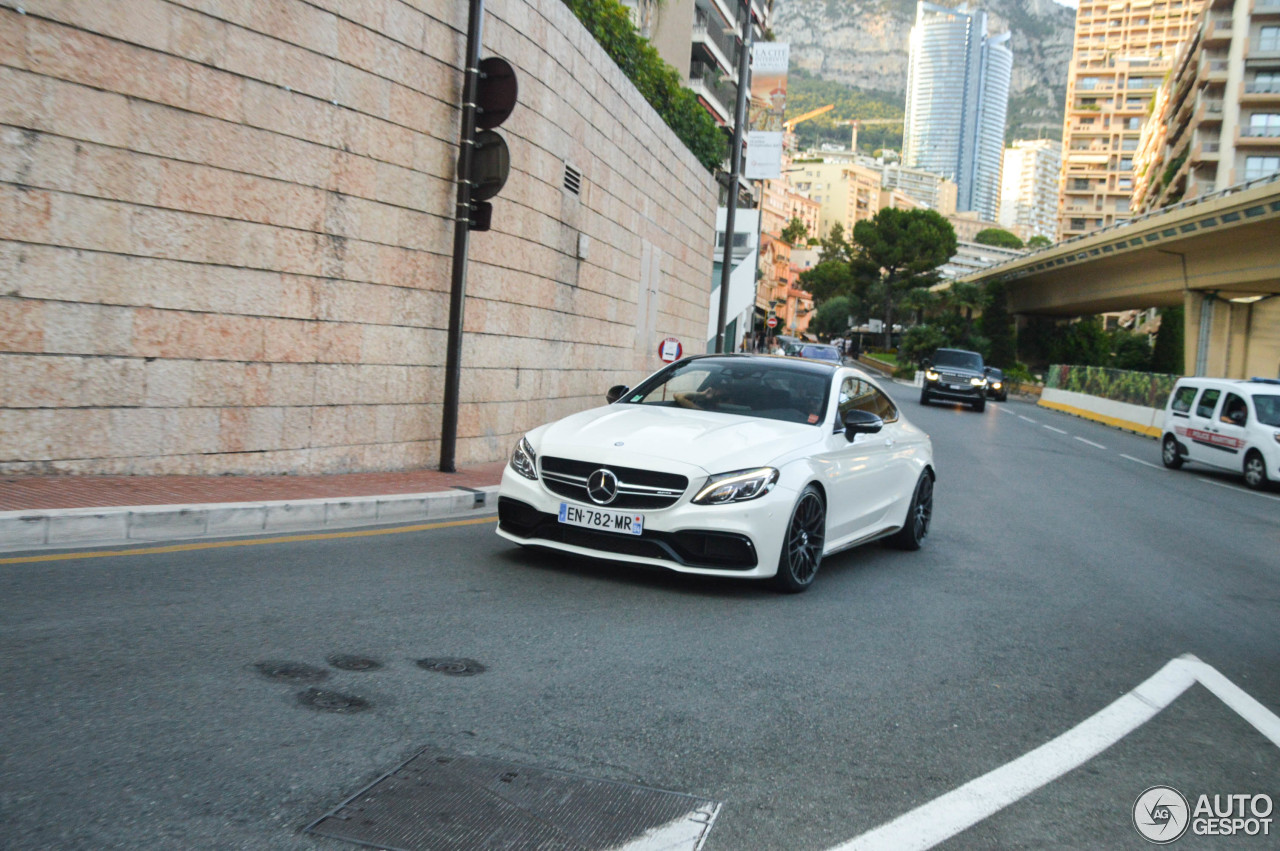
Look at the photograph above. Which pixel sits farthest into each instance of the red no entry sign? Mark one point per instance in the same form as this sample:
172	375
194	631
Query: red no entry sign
670	350
772	322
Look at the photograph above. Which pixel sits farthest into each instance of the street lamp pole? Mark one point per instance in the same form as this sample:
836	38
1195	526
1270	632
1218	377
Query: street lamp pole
735	167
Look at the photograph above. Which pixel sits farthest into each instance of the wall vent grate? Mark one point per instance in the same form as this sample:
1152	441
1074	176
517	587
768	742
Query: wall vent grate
572	179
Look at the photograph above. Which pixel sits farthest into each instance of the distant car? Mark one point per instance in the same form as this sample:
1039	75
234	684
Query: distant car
727	465
996	388
1228	423
955	375
815	351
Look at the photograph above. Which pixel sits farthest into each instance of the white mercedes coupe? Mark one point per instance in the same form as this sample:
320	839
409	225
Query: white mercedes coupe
729	465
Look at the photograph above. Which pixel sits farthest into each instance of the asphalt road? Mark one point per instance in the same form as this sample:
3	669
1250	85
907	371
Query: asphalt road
1058	576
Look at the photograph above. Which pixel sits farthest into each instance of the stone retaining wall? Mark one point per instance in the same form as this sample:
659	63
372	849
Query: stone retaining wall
225	234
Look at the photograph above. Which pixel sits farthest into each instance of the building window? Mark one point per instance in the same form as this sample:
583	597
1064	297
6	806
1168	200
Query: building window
1255	167
1077	224
1269	39
1126	164
1087	83
1264	124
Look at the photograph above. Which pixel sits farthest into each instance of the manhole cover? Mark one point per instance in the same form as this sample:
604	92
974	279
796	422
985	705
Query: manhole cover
291	672
332	701
453	667
465	803
353	663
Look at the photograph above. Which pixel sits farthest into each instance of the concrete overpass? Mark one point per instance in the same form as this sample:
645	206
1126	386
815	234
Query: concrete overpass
1218	255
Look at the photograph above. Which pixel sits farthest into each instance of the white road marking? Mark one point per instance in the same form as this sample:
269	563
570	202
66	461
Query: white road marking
1241	490
1140	461
1007	411
1028	419
960	809
1058	430
1090	442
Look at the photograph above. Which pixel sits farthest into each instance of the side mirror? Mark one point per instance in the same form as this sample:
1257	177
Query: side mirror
860	422
925	363
615	393
986	370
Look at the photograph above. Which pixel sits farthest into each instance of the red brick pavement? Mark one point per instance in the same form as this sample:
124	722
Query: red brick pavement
37	492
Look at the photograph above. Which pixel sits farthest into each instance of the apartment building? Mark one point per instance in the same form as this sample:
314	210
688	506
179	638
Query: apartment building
1029	188
1123	49
848	192
926	188
702	40
1216	122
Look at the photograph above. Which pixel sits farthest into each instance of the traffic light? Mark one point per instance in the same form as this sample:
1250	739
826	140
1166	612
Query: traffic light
496	91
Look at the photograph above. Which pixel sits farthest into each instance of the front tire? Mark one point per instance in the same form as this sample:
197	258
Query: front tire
1255	470
802	548
919	516
924	397
1169	453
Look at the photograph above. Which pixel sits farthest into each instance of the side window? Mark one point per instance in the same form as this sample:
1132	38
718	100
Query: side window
858	395
1182	399
1234	410
1208	401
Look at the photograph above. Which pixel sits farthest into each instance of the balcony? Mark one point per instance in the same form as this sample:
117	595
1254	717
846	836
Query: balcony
716	45
1214	71
1268	137
720	96
1217	31
1207	151
1260	92
1209	112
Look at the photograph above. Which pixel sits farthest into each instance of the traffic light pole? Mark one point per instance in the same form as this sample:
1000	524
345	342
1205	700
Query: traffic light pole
735	168
461	239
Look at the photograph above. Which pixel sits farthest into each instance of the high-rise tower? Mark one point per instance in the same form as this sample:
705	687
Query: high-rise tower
957	99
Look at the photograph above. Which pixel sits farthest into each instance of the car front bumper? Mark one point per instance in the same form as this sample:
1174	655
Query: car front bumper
969	393
741	539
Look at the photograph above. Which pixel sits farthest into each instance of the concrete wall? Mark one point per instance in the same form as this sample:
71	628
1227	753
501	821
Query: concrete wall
225	235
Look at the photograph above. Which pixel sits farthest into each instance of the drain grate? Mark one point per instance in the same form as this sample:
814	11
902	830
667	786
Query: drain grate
344	662
291	672
451	666
438	800
332	701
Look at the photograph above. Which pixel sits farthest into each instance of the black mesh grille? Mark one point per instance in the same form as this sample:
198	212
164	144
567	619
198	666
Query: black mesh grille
669	485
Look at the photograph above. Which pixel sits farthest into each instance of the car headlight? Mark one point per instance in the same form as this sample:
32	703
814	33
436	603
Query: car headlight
738	486
977	382
524	460
995	385
931	375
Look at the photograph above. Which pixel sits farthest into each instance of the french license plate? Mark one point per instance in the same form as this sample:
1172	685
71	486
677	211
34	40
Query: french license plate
607	521
956	386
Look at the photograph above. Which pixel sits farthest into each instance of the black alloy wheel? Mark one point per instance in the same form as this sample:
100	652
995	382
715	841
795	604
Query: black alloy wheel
802	548
1255	470
1169	453
919	516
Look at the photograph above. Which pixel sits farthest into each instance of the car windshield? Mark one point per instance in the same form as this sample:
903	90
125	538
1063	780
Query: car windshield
768	388
820	353
1268	408
997	374
952	357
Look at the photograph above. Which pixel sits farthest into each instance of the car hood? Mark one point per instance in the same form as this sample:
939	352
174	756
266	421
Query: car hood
671	439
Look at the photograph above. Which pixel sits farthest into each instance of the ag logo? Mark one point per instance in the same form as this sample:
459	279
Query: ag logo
1161	814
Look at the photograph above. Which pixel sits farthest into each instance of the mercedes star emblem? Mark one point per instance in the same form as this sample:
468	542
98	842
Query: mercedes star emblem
602	487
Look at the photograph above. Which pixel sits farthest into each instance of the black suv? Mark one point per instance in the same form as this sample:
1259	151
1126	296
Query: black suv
955	375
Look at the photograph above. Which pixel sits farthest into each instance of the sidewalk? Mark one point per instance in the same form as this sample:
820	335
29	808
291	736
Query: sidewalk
39	512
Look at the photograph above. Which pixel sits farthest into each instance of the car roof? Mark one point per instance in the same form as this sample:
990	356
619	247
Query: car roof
1254	383
817	366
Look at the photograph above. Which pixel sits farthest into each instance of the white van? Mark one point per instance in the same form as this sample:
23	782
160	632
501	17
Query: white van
1228	423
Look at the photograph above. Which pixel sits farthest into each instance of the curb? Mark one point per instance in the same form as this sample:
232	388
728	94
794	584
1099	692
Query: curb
92	527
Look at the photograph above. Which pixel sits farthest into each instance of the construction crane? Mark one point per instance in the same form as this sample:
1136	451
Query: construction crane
787	126
858	122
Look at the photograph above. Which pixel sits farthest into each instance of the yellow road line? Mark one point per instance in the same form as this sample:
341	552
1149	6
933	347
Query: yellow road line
1116	422
247	542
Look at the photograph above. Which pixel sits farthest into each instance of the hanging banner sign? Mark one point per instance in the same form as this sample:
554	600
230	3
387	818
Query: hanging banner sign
768	104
